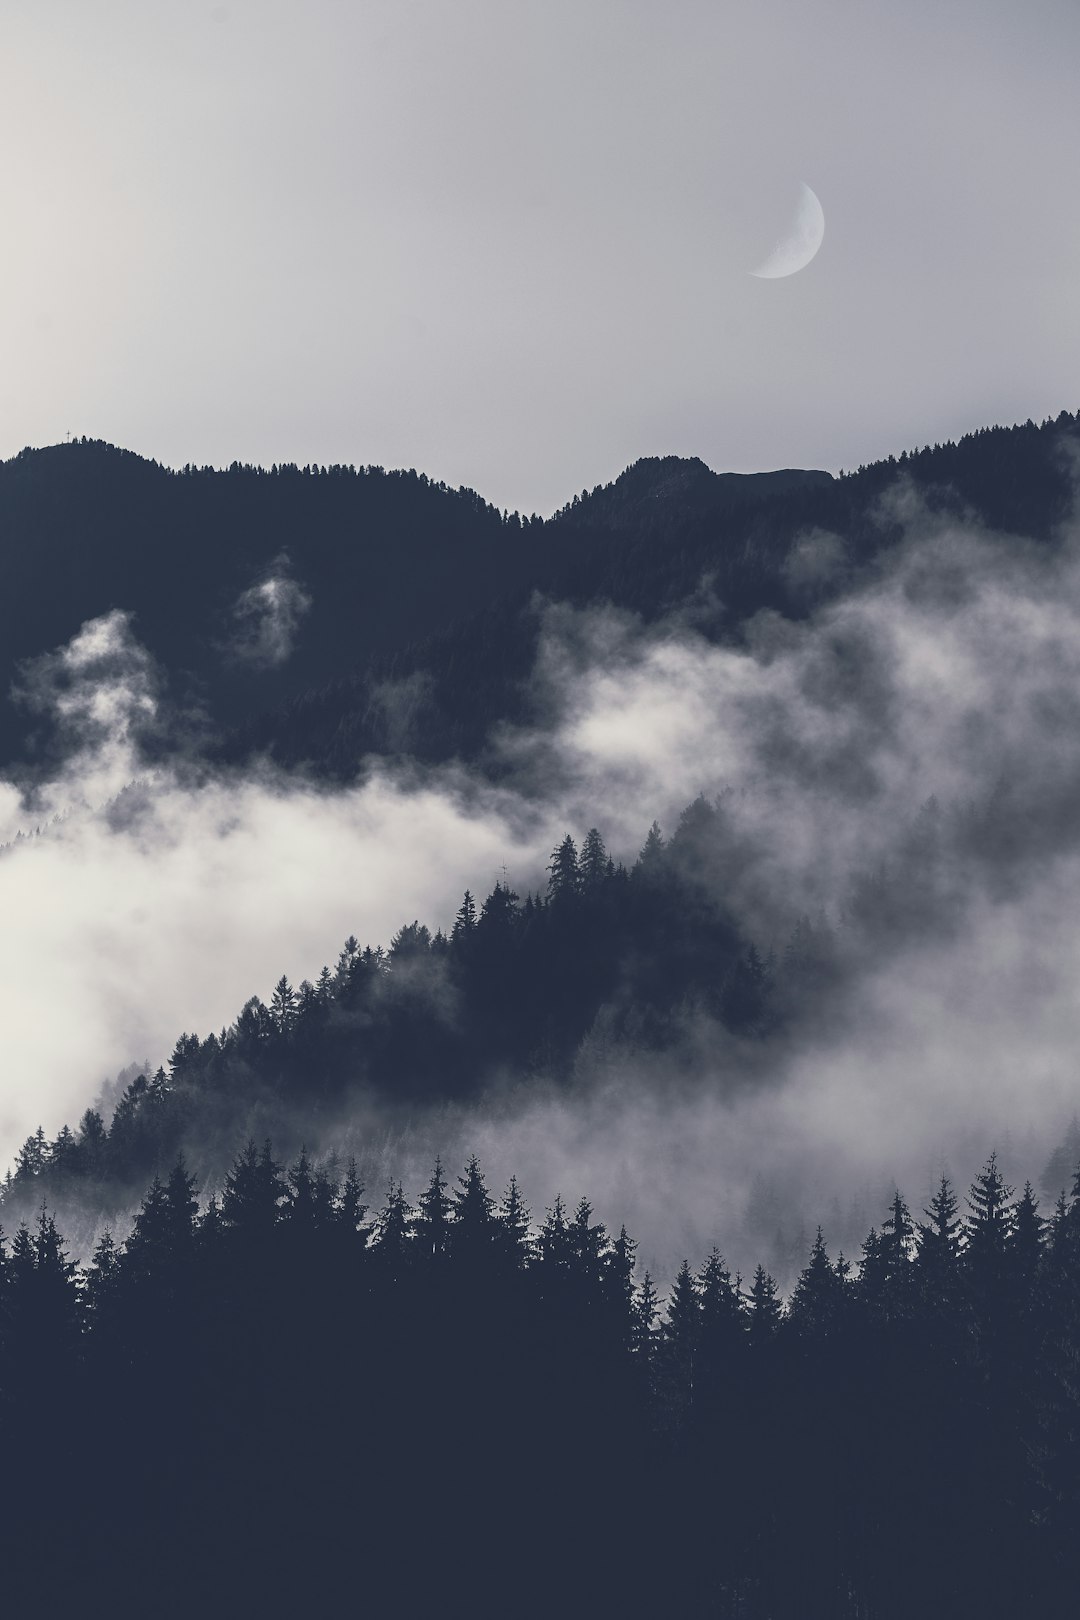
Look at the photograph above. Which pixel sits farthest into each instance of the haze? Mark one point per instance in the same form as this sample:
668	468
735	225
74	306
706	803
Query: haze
508	244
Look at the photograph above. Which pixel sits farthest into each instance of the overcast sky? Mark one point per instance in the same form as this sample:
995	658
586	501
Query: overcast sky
508	243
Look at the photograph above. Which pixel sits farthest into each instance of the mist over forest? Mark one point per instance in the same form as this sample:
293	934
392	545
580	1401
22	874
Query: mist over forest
559	1039
842	960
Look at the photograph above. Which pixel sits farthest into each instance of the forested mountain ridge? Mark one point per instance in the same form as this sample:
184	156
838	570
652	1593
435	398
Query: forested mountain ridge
248	585
407	607
609	965
513	988
648	543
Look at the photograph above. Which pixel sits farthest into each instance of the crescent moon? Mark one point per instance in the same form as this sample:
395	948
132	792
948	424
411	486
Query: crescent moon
795	250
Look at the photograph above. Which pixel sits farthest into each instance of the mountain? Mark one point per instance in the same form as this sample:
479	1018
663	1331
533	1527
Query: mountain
251	587
647	543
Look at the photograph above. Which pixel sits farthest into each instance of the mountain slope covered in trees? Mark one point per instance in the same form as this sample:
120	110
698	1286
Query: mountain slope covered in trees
453	1393
661	537
249	585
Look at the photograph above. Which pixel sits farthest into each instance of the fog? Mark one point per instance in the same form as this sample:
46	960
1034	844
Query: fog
948	670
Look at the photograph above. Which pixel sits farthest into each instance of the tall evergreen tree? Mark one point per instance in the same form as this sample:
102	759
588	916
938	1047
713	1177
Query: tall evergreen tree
765	1309
513	1228
473	1213
593	865
817	1297
432	1224
564	880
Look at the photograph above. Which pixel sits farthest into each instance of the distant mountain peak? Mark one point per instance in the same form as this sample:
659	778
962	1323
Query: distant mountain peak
686	481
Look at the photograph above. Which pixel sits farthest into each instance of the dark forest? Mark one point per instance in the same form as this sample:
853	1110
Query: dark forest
262	1385
408	1400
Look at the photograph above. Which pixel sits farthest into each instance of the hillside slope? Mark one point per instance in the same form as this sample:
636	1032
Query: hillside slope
251	586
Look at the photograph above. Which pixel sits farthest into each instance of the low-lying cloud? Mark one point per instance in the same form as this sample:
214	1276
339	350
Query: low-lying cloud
267	618
950	670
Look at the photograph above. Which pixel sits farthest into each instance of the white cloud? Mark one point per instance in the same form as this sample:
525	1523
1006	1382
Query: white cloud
267	617
952	670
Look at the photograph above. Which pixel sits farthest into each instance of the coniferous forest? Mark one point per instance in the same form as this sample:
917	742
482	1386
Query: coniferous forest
540	811
244	1371
304	1395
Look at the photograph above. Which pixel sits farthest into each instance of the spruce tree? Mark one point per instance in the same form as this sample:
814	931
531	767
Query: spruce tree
391	1236
473	1213
766	1311
513	1228
593	864
564	881
432	1224
681	1334
817	1297
937	1255
464	923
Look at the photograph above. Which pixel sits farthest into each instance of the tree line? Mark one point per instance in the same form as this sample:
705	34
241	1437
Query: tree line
283	1397
511	985
609	958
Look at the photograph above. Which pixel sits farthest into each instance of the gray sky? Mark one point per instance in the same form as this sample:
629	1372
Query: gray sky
507	241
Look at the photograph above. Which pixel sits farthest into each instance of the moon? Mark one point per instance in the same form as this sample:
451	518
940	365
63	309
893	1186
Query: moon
795	250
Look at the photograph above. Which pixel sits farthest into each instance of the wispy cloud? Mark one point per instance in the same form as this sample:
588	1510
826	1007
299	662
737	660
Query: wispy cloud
267	618
950	669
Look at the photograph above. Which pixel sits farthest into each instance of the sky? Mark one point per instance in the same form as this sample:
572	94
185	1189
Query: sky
508	242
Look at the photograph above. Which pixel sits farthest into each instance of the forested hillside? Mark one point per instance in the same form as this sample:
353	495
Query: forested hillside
662	536
321	614
248	584
608	965
408	1400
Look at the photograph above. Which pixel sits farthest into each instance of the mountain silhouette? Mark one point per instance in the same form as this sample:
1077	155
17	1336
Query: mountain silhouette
648	543
373	561
321	614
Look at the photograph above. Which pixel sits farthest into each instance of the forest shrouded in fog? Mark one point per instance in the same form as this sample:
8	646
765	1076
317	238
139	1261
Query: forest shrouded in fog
845	960
706	856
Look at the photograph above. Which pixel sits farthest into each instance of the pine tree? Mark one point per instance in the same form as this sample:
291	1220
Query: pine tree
680	1338
283	1007
92	1142
593	865
587	1242
553	1244
1026	1244
102	1278
464	923
351	1207
721	1312
63	1157
254	1191
817	1297
391	1237
300	1196
513	1228
937	1257
498	913
432	1224
473	1212
987	1232
564	881
646	1310
650	862
897	1235
765	1309
619	1280
32	1159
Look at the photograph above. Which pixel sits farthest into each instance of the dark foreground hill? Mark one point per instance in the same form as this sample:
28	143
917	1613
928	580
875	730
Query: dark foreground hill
275	1405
